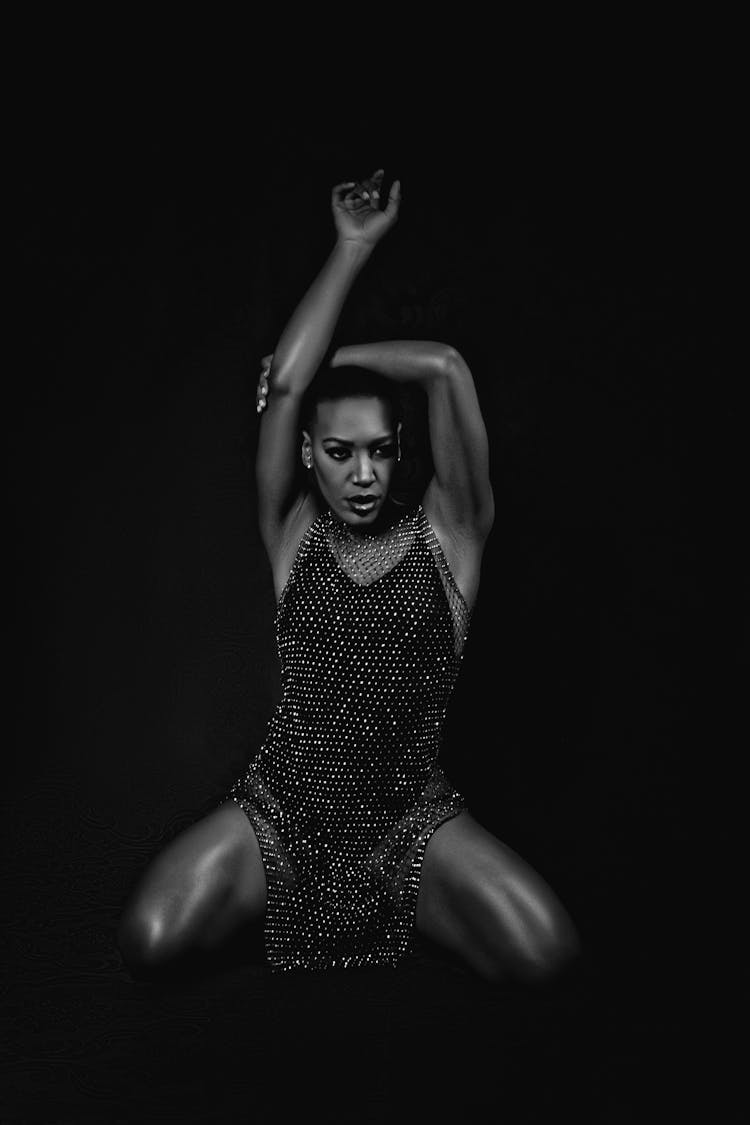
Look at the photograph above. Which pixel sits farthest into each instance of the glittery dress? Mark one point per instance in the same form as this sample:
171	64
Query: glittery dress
346	791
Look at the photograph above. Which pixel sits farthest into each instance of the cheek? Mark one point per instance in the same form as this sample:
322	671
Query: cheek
386	471
329	473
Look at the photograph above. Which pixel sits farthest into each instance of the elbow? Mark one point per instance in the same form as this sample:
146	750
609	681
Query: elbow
291	370
451	365
448	360
283	380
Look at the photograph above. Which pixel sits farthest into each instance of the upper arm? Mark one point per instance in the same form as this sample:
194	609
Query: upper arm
275	475
460	490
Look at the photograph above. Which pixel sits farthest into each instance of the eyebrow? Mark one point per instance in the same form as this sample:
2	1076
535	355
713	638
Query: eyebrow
378	441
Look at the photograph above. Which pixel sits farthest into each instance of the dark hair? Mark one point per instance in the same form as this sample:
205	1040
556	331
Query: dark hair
407	406
332	383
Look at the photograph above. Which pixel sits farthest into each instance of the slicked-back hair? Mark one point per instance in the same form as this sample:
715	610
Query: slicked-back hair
333	383
406	405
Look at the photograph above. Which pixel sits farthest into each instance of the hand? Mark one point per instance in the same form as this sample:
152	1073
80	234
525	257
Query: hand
356	209
261	394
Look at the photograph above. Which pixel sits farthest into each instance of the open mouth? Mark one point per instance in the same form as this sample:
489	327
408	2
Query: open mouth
362	504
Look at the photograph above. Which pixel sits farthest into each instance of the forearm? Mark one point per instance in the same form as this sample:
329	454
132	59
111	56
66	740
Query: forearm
408	361
458	437
308	334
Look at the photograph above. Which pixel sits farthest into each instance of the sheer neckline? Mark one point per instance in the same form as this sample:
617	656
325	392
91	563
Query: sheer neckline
366	558
344	530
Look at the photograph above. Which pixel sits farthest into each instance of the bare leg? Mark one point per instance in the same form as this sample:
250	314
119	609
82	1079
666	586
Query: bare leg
205	884
479	899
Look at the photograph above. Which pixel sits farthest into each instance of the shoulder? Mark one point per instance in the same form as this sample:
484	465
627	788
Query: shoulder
462	543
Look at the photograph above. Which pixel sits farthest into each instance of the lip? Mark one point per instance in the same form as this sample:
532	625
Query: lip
363	503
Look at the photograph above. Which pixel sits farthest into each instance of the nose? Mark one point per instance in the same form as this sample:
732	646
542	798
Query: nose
363	471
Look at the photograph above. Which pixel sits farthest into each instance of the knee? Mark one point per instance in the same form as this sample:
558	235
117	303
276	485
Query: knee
143	941
550	954
540	957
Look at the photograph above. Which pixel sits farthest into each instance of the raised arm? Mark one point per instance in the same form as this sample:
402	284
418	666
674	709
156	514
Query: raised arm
360	224
459	497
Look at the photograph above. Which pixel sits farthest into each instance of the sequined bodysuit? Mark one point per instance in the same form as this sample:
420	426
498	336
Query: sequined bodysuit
345	791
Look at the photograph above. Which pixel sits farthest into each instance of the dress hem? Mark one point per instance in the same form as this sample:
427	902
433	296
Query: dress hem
415	876
413	883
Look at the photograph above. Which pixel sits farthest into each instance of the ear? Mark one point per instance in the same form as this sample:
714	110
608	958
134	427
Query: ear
306	450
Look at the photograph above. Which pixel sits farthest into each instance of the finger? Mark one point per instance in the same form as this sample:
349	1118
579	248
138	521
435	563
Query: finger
340	190
356	203
375	183
266	361
370	188
394	199
361	191
367	199
357	200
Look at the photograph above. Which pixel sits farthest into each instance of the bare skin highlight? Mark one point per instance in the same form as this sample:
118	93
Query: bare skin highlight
451	879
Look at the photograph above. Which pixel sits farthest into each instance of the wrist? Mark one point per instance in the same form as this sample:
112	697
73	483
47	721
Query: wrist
356	249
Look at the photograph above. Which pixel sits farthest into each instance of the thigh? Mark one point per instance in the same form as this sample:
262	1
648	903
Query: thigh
480	899
206	882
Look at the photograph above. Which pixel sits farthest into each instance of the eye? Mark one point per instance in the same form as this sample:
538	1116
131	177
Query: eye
386	451
337	452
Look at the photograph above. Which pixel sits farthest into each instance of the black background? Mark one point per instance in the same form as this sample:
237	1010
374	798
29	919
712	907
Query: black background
563	245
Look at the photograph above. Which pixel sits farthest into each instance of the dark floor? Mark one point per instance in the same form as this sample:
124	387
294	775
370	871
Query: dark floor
227	1040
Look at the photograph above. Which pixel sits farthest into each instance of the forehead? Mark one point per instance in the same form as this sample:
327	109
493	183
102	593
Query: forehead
357	419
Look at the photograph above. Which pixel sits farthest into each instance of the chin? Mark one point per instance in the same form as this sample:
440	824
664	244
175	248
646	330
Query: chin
356	520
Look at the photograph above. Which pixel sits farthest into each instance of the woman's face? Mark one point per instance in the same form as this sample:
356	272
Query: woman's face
353	448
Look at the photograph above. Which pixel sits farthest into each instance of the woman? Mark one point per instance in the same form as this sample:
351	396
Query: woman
343	836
